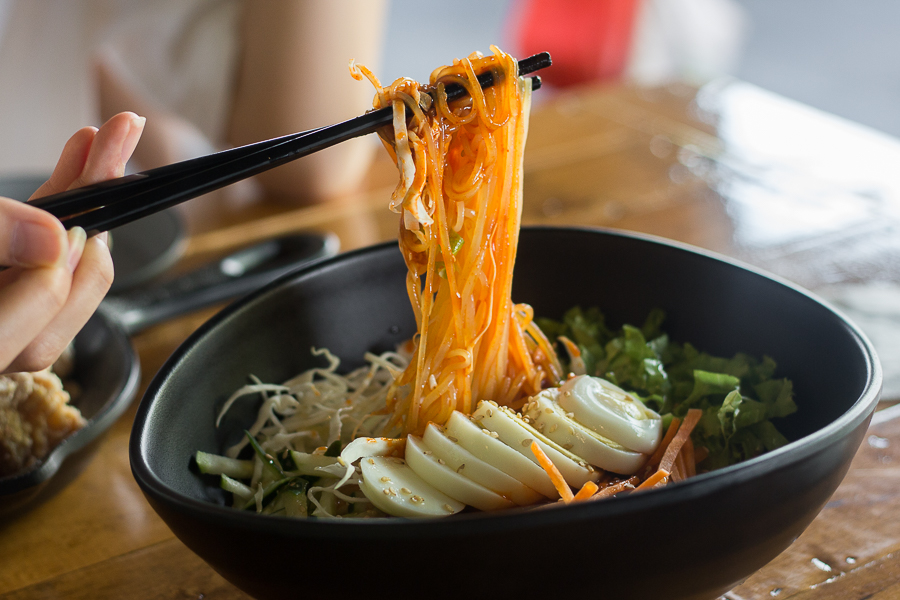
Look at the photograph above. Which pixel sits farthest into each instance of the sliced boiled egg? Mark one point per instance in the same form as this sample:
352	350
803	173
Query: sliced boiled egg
517	434
611	412
435	472
481	444
366	446
446	448
551	420
393	487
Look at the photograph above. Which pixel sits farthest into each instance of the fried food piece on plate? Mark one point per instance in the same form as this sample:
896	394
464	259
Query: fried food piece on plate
35	416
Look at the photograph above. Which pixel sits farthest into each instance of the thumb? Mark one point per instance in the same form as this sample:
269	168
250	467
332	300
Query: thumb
29	237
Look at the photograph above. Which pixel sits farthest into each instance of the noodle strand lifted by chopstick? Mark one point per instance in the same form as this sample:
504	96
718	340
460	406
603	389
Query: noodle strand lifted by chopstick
460	201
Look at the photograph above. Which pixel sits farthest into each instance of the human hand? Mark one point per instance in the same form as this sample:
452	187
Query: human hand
57	279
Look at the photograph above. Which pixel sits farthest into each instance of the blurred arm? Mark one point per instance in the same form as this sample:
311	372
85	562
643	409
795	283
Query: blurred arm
293	76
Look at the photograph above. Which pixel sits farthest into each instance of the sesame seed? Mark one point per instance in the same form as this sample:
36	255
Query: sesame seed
371	461
490	412
448	508
385	492
567	446
391	491
548	411
461	467
554	427
570	415
385	479
486	431
427	452
441	461
452	439
417	499
571	431
495	435
527	442
404	490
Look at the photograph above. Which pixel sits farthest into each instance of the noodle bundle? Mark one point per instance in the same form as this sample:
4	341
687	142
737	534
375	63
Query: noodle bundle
460	201
473	411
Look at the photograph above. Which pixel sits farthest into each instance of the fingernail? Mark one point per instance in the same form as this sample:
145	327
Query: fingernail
134	135
35	245
77	238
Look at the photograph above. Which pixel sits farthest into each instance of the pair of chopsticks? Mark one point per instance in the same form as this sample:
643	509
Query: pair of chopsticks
110	204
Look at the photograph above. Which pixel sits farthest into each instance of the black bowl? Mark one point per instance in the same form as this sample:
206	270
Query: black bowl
693	539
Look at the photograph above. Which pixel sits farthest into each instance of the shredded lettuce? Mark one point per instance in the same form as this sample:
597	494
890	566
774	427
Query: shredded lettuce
739	396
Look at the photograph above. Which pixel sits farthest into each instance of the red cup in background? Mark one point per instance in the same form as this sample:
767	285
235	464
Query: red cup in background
589	40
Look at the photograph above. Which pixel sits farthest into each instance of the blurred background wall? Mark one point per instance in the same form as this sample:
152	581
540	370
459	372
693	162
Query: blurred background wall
831	54
840	56
835	55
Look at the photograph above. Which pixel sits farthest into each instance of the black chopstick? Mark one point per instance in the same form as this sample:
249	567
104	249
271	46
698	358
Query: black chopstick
110	204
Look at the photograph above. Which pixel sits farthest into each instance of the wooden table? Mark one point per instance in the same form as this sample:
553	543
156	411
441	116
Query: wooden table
728	167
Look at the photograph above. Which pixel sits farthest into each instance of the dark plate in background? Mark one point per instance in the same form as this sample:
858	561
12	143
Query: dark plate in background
107	373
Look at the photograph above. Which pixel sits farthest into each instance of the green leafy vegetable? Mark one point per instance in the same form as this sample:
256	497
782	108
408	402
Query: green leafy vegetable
456	242
738	395
272	470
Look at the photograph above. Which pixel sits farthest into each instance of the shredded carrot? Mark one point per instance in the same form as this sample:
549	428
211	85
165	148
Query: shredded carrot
667	439
658	478
689	458
586	491
556	477
571	347
633	481
679	471
606	478
684	432
615	488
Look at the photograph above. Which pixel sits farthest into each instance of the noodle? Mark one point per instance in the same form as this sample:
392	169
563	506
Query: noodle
460	176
